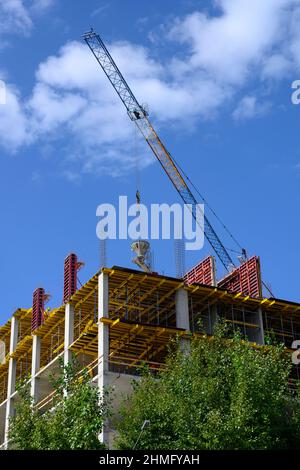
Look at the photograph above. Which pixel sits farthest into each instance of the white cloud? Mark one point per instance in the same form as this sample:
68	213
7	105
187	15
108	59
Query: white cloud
229	45
220	57
72	97
248	108
16	16
100	10
276	66
71	176
50	109
13	122
40	6
93	115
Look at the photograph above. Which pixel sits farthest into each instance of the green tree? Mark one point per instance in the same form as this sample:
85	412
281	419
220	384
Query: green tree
224	394
74	420
24	421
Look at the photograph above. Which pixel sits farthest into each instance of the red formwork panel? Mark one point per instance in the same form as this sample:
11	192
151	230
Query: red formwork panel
203	273
70	276
38	308
246	279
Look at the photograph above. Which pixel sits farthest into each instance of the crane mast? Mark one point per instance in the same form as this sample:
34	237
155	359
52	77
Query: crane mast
140	117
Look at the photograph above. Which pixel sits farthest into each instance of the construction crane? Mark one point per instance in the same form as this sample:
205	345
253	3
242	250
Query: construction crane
140	117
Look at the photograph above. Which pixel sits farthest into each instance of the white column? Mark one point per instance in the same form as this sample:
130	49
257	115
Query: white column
103	342
35	367
182	309
12	368
182	315
69	332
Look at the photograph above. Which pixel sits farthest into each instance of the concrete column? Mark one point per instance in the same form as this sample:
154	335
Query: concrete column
214	318
69	332
12	368
182	309
103	343
257	335
182	315
35	367
261	333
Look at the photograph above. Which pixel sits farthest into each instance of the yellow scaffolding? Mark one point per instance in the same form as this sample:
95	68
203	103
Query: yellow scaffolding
142	319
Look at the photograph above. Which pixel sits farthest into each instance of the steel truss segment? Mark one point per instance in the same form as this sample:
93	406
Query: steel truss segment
111	70
188	198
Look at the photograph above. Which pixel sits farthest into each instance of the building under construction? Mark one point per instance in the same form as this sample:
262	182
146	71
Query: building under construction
121	319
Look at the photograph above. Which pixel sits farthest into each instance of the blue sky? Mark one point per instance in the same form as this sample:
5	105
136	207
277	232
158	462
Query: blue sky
217	79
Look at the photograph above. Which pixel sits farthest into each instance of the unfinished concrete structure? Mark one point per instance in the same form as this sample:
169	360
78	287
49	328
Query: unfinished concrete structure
120	319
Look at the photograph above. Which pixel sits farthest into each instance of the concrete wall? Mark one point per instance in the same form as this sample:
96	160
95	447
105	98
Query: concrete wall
121	385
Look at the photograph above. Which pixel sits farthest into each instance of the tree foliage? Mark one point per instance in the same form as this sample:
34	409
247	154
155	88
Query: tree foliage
73	422
225	394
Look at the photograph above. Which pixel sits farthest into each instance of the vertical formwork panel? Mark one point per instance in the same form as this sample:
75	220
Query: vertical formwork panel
70	276
38	307
245	279
203	273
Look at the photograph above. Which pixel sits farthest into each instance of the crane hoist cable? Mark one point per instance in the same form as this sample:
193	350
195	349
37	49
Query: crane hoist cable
242	250
140	117
204	200
137	174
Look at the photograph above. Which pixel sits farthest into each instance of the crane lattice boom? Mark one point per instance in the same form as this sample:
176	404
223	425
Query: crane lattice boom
141	119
